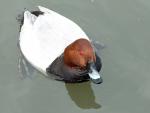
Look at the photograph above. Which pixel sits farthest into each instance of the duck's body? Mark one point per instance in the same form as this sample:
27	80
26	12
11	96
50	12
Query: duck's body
43	38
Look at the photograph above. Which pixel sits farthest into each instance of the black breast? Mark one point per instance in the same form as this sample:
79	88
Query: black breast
67	74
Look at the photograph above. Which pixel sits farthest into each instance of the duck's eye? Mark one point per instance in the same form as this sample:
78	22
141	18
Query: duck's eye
81	53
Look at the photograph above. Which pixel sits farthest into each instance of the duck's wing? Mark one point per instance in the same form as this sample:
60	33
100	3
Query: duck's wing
28	41
43	38
69	30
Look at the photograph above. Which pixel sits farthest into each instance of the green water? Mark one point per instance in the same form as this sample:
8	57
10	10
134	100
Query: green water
122	25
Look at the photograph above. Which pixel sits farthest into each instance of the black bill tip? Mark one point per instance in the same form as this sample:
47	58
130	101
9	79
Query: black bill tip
97	81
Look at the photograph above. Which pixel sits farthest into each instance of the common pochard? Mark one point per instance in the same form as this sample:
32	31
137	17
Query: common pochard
55	45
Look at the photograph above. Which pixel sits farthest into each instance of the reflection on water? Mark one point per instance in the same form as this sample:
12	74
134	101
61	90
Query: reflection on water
83	95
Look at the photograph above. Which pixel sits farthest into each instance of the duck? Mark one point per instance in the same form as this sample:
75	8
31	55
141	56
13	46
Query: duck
55	45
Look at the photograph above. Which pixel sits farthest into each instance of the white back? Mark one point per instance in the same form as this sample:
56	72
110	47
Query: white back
44	38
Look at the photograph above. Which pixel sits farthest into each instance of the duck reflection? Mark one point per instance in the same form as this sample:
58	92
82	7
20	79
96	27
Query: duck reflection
83	95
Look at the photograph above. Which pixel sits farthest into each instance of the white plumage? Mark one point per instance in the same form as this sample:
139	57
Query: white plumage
44	38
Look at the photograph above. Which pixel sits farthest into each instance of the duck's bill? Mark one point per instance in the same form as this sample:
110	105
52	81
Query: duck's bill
94	75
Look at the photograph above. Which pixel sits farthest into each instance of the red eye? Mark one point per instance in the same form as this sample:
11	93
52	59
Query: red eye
81	53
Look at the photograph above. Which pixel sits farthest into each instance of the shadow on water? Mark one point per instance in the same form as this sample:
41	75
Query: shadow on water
83	95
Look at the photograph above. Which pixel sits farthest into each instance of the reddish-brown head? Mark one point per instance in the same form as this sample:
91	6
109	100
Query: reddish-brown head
79	53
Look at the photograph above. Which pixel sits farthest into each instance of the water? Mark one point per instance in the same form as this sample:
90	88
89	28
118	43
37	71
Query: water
122	25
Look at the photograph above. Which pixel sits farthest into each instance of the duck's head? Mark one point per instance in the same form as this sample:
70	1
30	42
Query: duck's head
79	62
81	55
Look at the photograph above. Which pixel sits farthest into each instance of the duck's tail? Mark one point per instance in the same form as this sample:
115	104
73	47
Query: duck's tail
29	17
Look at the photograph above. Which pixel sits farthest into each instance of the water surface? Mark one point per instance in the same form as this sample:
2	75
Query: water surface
122	25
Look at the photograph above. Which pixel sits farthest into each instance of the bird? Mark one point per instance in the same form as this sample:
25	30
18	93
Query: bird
55	45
